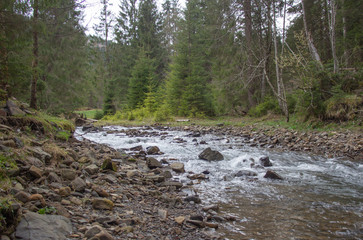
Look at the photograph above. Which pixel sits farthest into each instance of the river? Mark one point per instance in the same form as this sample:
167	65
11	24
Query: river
319	198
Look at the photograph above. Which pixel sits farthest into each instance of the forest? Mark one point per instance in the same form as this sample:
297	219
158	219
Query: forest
211	58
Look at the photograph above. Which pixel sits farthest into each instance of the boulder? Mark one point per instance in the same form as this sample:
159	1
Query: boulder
46	227
65	191
152	163
265	161
178	167
153	150
13	109
211	155
272	175
53	177
39	153
22	196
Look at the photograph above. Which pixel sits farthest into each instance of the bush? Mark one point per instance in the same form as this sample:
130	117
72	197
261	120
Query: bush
98	115
268	105
343	107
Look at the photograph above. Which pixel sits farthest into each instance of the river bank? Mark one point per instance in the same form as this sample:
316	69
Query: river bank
330	140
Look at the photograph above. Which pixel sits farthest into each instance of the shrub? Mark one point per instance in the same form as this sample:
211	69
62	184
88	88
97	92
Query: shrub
270	104
343	107
98	115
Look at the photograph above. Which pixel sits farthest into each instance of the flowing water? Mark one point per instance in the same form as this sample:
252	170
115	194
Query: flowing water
319	198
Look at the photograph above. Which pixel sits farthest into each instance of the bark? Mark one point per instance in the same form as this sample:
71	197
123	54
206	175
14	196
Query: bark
309	38
248	33
332	20
33	91
281	96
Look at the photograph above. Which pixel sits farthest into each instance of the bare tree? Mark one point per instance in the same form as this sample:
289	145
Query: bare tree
332	17
312	48
33	91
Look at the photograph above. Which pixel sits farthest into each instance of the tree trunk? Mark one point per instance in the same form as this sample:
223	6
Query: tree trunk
309	38
344	21
332	18
248	32
33	91
281	96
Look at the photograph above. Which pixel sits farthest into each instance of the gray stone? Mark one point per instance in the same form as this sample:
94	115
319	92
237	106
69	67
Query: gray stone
53	177
245	173
171	184
163	214
34	161
178	167
93	231
153	163
194	199
14	110
91	169
79	185
46	227
211	155
39	153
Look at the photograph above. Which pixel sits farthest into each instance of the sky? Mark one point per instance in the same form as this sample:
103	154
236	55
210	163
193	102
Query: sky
94	7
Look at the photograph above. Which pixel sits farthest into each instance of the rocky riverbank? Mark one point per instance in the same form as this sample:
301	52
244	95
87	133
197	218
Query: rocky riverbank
57	189
329	144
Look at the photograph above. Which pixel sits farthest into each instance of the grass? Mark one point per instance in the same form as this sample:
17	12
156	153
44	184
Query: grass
268	121
89	113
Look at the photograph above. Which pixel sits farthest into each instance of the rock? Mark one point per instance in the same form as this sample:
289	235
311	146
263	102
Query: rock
94	230
38	197
35	172
211	225
76	201
211	207
102	236
210	155
197	223
4	237
34	161
265	161
65	191
39	153
197	217
109	165
167	174
102	204
19	143
132	173
53	177
245	173
179	220
101	192
272	175
178	167
163	214
194	199
170	184
68	174
152	163
22	196
136	149
13	109
91	169
153	150
83	160
9	143
46	227
79	185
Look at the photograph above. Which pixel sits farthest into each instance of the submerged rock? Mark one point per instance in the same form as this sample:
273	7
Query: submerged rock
211	155
272	175
265	161
178	167
153	150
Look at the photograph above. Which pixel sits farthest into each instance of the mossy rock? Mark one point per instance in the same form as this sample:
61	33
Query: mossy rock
109	165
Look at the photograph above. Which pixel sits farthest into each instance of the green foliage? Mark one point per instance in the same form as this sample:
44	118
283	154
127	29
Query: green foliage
98	115
269	104
63	135
47	210
343	106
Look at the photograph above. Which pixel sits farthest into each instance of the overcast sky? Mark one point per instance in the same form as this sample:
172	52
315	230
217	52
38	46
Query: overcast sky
94	7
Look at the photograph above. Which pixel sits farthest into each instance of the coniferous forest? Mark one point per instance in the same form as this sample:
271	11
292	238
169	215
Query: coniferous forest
211	58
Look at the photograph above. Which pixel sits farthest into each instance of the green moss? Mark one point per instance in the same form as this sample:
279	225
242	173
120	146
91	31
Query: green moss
63	135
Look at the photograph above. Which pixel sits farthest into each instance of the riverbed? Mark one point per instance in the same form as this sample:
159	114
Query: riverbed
319	198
